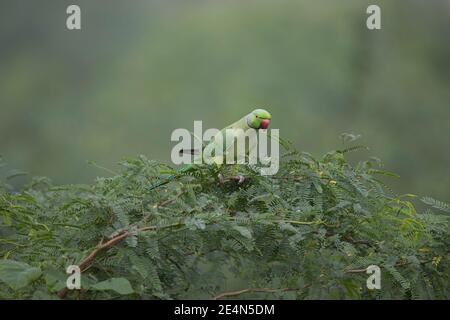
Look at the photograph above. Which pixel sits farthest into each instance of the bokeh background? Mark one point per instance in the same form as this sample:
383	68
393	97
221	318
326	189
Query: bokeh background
139	69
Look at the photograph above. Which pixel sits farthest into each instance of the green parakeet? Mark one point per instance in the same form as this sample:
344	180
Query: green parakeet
257	119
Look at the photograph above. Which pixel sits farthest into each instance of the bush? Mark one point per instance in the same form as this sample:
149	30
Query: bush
308	232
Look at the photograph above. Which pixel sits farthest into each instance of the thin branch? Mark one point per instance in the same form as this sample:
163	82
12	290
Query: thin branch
84	264
355	270
398	264
295	178
249	290
302	222
166	202
350	239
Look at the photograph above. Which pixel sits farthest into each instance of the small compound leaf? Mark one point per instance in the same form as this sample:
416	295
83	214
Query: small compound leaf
243	231
120	285
17	274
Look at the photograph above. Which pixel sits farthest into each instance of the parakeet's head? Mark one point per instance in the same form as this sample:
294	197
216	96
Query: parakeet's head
259	119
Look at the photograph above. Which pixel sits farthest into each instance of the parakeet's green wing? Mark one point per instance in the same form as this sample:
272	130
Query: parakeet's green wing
229	134
229	141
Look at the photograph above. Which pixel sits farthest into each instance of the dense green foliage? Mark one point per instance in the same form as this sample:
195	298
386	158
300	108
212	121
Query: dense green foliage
307	233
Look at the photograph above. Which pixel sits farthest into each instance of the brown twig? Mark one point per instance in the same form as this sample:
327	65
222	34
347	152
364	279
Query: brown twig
295	178
166	202
113	241
87	261
350	239
267	290
398	264
355	270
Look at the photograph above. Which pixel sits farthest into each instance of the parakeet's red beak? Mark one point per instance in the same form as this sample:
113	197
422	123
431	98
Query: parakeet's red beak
264	124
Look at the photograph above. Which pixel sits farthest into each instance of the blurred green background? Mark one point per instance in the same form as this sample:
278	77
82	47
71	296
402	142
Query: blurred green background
139	69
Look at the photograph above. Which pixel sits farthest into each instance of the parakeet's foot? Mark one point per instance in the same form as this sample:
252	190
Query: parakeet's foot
241	179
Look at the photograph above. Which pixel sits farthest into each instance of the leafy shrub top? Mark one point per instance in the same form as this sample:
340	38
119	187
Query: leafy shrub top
308	232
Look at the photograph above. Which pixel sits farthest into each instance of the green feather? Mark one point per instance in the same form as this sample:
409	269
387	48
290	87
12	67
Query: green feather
231	133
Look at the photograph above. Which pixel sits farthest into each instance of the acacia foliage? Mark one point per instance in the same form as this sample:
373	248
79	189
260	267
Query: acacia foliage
308	232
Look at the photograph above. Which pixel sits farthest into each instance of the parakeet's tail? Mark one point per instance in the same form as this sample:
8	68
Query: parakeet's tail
163	182
183	170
